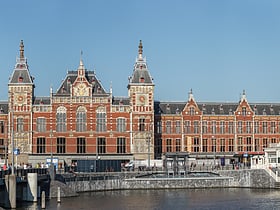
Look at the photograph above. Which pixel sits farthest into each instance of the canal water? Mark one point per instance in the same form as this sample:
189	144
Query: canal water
195	199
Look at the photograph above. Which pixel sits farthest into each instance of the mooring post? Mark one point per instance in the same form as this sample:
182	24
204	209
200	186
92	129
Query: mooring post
58	195
43	201
11	189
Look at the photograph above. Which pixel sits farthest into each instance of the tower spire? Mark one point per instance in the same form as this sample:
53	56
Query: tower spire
21	50
140	51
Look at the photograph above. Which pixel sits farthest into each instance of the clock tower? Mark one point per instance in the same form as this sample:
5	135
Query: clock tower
141	94
21	94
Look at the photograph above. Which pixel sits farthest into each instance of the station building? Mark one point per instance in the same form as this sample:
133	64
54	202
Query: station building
82	120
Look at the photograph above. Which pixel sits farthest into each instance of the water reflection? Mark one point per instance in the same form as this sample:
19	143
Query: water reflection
218	198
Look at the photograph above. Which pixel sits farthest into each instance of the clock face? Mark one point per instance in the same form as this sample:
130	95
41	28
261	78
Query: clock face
142	99
81	90
20	98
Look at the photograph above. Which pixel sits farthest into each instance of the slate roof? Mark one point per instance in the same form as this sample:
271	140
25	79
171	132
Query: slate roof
120	100
42	100
4	107
141	74
97	88
21	74
215	108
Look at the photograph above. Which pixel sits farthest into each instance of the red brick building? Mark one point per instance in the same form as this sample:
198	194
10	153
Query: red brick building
81	120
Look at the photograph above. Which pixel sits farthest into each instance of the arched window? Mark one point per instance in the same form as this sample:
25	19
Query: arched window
61	119
81	119
101	119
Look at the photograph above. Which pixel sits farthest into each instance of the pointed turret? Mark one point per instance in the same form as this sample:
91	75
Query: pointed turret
21	73
141	74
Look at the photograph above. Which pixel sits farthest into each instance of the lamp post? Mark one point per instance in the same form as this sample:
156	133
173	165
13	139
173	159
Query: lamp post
96	155
149	143
12	141
214	149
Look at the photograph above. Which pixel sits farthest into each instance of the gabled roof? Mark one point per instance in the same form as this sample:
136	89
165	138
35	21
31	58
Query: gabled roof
141	74
21	74
66	84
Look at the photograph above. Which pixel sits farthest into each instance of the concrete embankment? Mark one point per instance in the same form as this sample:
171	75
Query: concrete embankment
257	178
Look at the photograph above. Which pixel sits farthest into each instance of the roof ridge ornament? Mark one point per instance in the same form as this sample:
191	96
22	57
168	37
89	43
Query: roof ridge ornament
140	51
21	50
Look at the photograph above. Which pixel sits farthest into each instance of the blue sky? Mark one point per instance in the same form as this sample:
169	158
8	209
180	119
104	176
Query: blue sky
217	48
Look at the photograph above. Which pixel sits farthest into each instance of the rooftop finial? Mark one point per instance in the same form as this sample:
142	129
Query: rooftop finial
21	50
81	60
140	50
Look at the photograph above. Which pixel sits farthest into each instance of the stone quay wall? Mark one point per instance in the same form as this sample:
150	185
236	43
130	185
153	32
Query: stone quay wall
257	178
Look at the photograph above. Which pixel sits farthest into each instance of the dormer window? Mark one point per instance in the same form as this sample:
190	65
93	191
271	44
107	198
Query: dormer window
230	111
243	111
142	79
264	112
192	111
20	79
271	110
213	111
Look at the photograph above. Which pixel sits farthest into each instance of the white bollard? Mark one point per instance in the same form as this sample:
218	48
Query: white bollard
43	200
58	195
32	183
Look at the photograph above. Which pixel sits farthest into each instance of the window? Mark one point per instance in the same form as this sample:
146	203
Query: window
168	126
230	145
81	145
256	127
187	126
41	145
20	124
243	111
230	127
192	111
239	127
248	127
204	145
264	125
101	120
222	127
41	124
60	145
2	127
159	127
121	125
257	145
101	145
168	145
248	144
81	119
178	145
196	144
61	119
121	145
240	144
213	127
204	127
196	127
1	142
265	143
273	127
178	127
222	145
214	144
141	124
